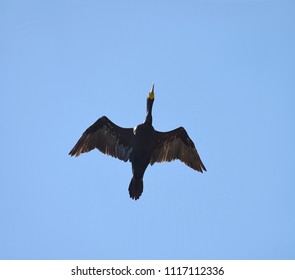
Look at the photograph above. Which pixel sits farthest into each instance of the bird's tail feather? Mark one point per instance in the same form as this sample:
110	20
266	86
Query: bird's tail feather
135	188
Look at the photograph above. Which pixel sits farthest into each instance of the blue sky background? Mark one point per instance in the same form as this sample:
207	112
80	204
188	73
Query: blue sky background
222	69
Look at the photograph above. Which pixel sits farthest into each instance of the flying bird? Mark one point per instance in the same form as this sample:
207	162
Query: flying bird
141	145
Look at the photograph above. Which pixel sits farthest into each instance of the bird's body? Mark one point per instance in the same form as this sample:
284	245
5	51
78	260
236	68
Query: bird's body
142	145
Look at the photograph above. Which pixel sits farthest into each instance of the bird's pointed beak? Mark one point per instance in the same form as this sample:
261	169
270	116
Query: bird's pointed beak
151	93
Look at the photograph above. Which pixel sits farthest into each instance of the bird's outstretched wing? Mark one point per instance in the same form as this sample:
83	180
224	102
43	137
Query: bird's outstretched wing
106	136
176	144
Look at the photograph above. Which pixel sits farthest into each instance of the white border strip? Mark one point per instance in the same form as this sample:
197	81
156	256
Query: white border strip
149	269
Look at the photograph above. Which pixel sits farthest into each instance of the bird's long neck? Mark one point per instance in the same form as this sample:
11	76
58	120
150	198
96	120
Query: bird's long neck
149	106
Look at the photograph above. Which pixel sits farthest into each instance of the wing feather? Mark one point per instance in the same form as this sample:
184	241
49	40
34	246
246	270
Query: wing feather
176	144
107	137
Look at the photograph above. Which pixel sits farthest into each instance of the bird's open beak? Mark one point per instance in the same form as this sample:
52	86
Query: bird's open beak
151	93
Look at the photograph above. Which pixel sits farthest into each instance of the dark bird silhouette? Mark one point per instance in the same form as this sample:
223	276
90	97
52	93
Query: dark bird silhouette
142	145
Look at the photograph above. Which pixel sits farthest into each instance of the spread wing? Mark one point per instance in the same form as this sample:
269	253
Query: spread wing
176	144
107	137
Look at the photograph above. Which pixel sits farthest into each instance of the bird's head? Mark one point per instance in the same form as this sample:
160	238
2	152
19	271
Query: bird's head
151	95
149	105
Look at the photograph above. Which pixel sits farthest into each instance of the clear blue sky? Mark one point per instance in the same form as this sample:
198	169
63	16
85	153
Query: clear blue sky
225	70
